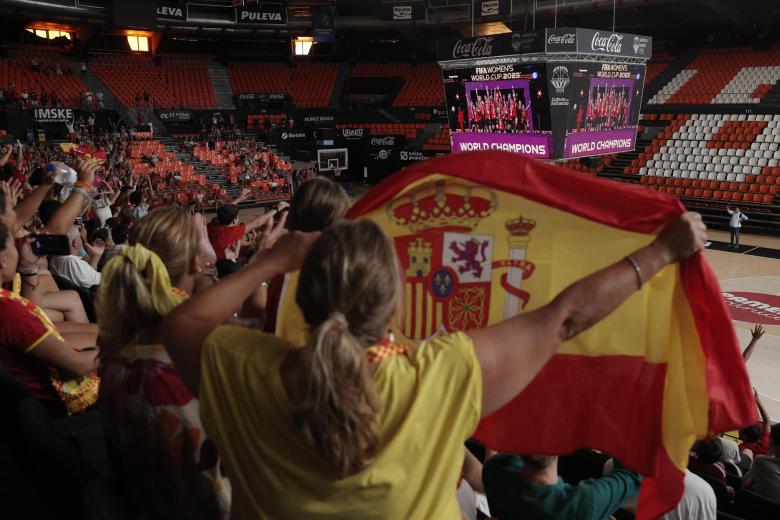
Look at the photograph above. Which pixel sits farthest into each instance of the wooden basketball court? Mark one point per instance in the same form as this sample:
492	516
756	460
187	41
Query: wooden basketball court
747	273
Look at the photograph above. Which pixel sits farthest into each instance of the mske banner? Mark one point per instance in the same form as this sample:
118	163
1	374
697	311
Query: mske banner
52	115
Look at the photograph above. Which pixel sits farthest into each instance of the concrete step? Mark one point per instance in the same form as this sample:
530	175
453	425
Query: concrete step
220	82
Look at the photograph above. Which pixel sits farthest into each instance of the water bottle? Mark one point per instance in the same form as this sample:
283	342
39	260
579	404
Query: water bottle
63	174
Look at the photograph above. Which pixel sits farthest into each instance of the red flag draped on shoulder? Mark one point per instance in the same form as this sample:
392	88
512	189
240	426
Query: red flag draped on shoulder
483	236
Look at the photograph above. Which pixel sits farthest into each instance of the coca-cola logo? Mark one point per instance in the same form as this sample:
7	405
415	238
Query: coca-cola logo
383	141
479	48
612	43
561	39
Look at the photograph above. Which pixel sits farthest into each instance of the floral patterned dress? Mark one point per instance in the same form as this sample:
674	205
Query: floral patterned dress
169	466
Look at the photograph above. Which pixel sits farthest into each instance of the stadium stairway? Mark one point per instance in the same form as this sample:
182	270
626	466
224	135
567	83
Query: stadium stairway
220	82
388	115
94	84
619	163
680	62
429	131
110	101
338	87
214	174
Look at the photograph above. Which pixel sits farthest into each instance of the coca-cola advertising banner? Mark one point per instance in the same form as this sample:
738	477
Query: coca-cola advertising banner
403	11
614	44
558	40
387	141
491	46
253	96
262	13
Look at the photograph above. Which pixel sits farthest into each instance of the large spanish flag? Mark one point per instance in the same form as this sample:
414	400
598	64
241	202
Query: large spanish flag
483	236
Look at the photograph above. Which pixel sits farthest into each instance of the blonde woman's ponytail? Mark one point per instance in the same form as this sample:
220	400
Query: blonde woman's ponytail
339	411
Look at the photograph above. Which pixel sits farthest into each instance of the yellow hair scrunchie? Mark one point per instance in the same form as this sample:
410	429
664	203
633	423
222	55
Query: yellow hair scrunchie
146	261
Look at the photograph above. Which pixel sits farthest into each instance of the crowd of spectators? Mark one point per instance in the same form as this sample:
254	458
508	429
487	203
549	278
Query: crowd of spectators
11	98
164	310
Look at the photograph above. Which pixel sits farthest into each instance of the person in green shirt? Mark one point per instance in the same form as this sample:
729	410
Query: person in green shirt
529	487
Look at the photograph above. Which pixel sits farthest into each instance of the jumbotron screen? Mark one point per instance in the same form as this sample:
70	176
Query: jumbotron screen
501	107
603	107
545	110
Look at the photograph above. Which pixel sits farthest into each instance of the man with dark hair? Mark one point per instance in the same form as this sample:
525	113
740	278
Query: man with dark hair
764	476
227	231
529	487
705	459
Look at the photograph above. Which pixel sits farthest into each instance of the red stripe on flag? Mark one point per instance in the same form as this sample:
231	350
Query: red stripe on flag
661	493
604	201
728	384
614	402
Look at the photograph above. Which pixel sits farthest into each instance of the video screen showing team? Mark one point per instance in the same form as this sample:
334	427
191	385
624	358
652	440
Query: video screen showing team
496	111
607	108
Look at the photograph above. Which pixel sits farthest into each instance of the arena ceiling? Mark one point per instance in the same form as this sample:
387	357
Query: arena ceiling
668	19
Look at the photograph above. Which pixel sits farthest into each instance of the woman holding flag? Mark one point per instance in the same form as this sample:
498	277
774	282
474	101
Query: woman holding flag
354	425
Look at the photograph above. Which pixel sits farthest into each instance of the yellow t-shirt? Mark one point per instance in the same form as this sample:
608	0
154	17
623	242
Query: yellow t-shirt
431	401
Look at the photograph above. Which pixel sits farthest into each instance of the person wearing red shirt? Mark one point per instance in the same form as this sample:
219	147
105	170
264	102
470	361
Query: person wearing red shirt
29	342
755	438
227	231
